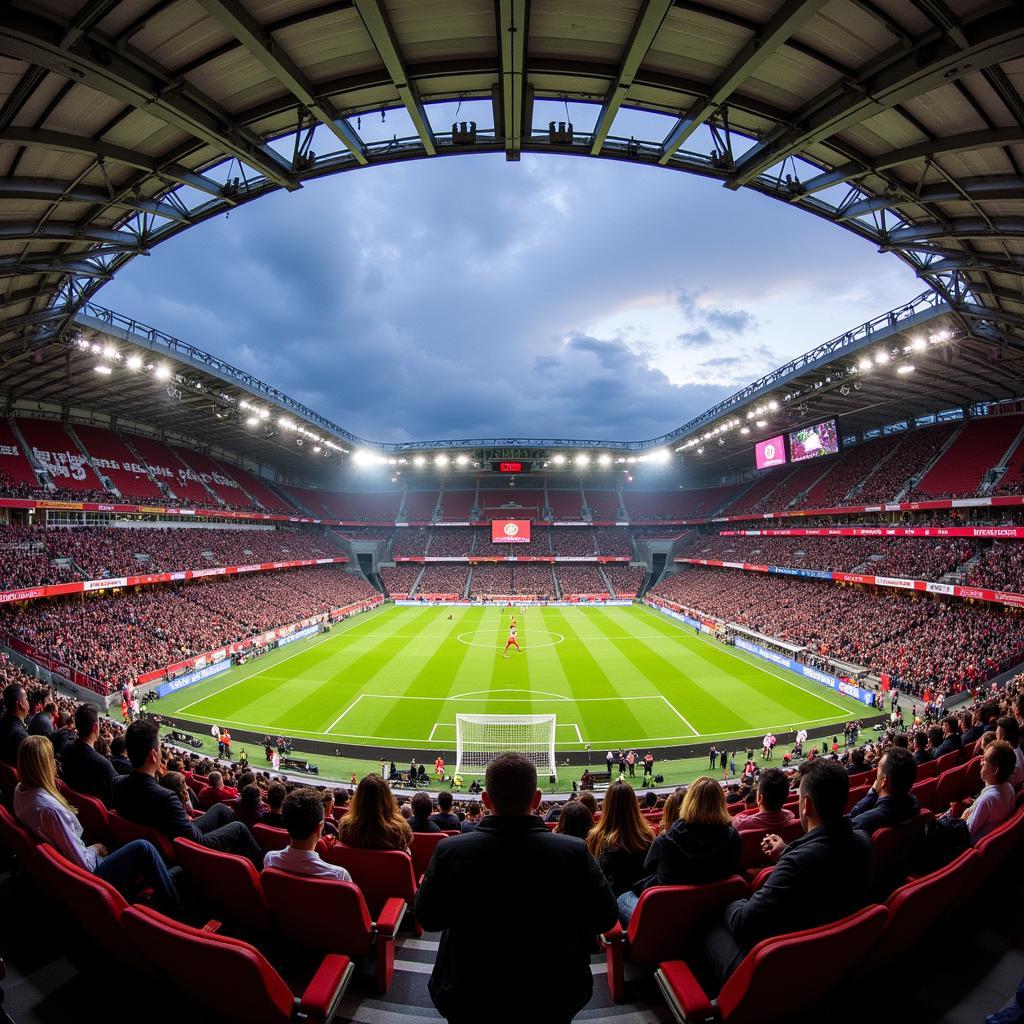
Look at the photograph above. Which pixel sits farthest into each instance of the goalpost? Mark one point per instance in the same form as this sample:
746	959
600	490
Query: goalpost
480	738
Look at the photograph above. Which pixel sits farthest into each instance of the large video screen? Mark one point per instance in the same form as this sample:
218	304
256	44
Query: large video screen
510	531
771	452
809	443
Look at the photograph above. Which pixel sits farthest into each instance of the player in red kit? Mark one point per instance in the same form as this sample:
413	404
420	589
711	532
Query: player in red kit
512	641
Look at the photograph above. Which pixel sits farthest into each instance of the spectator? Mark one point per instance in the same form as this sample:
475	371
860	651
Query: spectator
175	782
373	820
63	734
622	838
889	802
119	757
472	817
574	820
275	801
140	798
670	811
996	801
40	807
950	737
304	819
12	725
820	877
86	770
420	821
444	819
772	793
216	792
249	806
922	755
702	846
537	898
1008	730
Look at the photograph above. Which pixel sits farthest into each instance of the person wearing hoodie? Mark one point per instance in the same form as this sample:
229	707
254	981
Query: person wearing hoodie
889	801
702	846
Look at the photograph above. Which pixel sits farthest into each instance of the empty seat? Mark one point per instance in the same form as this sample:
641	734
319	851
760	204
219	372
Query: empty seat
666	923
331	917
423	846
380	874
781	976
890	847
124	831
230	978
925	793
947	761
752	857
270	838
227	882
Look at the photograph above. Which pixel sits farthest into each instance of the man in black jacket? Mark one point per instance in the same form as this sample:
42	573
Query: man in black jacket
527	896
444	819
12	725
950	738
889	801
822	876
140	798
84	769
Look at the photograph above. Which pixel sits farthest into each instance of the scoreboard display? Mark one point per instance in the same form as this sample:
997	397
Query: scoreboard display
508	467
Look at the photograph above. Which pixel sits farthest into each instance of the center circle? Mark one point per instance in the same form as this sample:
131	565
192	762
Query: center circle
477	643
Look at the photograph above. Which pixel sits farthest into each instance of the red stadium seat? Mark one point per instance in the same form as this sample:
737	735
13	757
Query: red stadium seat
228	884
20	842
856	794
928	770
925	793
947	761
380	874
230	979
331	917
752	858
890	847
956	783
270	838
775	981
124	831
997	846
668	921
92	814
423	846
95	904
8	782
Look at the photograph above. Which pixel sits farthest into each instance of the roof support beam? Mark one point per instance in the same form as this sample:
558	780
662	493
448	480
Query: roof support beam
378	25
959	227
788	19
902	75
652	14
122	241
48	190
25	267
985	313
119	154
985	188
233	16
513	30
92	60
920	150
972	264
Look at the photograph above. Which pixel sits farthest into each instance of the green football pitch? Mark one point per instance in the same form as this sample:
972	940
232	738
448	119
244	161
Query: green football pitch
615	676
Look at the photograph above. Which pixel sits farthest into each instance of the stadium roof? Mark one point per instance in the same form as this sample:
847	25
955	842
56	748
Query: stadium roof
124	122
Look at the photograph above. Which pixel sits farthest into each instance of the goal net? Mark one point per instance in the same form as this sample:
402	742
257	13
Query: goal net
480	738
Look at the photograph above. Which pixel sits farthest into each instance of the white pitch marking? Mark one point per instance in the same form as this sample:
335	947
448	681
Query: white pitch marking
475	693
579	737
345	712
677	712
430	738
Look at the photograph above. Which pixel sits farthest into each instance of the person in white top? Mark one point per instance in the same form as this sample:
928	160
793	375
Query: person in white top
996	801
39	806
1007	728
303	814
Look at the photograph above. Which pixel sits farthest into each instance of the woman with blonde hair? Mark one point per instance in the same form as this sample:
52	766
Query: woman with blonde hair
701	846
373	820
621	839
670	812
39	806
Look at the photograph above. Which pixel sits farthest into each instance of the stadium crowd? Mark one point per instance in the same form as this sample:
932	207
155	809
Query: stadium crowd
575	578
627	580
443	579
399	579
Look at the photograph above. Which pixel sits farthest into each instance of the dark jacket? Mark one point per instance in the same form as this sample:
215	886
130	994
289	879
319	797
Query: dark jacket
40	724
870	812
446	822
423	825
821	876
87	771
922	756
947	746
972	734
121	765
537	898
470	824
61	738
12	732
691	855
622	868
140	798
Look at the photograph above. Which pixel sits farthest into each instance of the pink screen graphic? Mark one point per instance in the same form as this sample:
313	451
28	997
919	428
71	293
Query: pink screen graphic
771	452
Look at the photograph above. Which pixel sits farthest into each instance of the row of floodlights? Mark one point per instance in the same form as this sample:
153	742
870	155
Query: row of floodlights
443	461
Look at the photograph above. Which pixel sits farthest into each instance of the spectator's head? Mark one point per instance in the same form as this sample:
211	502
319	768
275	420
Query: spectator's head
142	740
36	766
445	801
987	737
16	700
935	736
824	788
327	799
902	740
622	826
950	726
175	782
473	810
898	770
1008	729
575	820
117	747
589	801
920	741
650	799
373	820
704	803
997	763
422	805
87	722
216	780
275	795
670	811
249	797
772	789
510	785
304	815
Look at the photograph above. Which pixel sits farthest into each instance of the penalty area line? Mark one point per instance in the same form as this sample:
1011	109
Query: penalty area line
345	712
679	715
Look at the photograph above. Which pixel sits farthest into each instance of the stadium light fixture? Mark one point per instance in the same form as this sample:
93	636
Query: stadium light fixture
134	363
881	358
316	449
583	459
110	352
462	459
559	459
264	414
252	421
700	450
285	423
631	460
905	368
661	456
864	365
441	460
762	424
103	368
917	344
363	457
419	461
745	430
162	372
604	459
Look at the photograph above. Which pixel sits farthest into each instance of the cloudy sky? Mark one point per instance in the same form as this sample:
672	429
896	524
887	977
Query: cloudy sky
471	297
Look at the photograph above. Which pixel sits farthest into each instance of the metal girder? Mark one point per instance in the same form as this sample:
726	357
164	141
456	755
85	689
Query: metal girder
933	61
652	14
23	267
920	150
124	241
968	263
958	227
788	19
513	30
985	313
261	45
992	188
106	151
49	190
378	25
92	60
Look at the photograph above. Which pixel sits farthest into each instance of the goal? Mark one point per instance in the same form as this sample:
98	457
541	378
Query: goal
480	738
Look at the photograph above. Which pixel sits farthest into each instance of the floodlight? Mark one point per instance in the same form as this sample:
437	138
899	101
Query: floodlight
363	457
881	358
905	368
604	459
583	459
419	460
441	460
864	365
162	372
745	430
917	344
461	459
762	423
105	370
559	459
773	405
252	421
110	352
661	455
